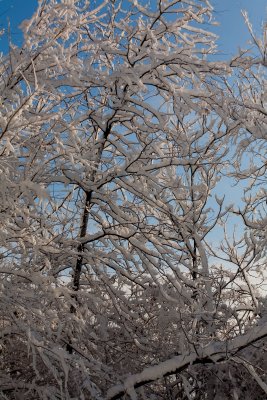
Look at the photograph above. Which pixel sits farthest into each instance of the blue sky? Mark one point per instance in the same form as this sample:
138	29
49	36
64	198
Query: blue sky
232	30
232	34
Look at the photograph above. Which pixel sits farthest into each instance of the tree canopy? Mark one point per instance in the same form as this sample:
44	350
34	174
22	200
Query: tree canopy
125	271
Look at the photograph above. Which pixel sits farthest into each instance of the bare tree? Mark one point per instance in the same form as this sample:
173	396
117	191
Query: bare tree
115	131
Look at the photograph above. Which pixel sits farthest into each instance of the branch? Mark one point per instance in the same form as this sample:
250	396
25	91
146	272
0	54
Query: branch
252	372
215	352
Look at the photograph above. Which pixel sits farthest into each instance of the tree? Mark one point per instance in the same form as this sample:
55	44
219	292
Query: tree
115	131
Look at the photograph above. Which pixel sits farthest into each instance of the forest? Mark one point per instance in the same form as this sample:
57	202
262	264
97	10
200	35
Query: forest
133	198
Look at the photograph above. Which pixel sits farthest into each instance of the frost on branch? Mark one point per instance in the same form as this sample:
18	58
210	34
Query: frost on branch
118	253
